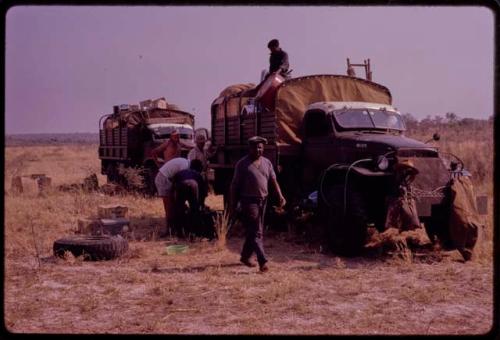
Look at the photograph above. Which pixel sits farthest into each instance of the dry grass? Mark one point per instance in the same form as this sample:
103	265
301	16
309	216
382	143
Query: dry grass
207	291
221	228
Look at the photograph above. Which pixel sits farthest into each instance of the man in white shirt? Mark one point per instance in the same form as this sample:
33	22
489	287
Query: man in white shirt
163	182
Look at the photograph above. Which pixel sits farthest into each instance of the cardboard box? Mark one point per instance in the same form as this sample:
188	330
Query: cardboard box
159	103
112	211
88	226
146	104
114	226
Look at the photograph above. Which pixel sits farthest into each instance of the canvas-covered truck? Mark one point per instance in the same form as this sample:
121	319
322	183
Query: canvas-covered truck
129	134
338	138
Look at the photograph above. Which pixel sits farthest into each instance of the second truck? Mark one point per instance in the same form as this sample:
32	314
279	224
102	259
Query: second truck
129	134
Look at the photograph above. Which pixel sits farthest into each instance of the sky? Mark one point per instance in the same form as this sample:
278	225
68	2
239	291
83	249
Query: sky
66	66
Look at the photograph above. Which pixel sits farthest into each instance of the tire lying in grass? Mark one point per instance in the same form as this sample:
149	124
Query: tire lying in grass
93	248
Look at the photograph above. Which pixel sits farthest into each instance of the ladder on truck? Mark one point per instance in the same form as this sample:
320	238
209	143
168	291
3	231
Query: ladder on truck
366	65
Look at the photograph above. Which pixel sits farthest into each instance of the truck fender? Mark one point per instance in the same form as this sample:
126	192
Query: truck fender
339	173
334	173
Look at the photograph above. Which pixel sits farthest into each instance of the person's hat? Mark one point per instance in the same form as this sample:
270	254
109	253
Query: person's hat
174	132
200	138
256	140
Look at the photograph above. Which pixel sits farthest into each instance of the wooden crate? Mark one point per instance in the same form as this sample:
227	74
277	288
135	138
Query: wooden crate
114	226
112	211
88	226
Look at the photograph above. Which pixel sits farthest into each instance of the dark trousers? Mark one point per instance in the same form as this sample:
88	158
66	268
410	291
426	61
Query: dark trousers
252	217
186	222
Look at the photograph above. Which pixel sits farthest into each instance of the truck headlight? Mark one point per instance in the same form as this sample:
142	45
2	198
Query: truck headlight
382	163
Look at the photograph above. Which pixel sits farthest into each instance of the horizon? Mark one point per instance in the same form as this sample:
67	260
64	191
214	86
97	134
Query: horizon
485	119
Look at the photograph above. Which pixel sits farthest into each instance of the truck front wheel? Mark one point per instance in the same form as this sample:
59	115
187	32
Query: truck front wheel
346	230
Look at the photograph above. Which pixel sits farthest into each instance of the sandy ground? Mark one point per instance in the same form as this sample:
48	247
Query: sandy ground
207	291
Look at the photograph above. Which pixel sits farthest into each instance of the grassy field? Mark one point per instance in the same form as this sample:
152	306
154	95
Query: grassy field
207	291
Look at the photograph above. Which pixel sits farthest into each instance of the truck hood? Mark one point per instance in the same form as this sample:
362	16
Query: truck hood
395	142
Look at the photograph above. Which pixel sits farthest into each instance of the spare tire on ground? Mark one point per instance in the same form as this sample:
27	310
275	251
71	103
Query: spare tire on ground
93	248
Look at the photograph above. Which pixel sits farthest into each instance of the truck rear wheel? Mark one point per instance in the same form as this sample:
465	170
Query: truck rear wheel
112	173
346	231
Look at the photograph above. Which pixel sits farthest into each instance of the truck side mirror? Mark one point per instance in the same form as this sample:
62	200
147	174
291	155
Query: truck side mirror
435	137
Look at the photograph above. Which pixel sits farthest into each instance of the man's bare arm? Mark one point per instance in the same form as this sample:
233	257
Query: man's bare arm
276	186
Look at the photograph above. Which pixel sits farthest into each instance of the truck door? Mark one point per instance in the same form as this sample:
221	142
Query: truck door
317	145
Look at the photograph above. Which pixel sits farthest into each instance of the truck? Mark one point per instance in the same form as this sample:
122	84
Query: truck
337	140
129	134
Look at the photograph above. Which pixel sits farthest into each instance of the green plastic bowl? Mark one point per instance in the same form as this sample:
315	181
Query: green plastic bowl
177	249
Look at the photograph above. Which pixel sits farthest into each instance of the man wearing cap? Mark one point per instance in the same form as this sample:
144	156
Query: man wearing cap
168	149
163	182
249	186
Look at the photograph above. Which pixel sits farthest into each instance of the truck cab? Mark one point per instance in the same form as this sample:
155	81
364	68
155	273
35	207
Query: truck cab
351	131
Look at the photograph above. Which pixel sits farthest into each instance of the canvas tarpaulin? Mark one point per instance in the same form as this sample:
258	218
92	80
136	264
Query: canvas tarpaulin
295	95
236	89
464	220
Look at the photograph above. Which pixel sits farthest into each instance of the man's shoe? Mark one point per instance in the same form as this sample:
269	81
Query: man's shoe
247	263
264	268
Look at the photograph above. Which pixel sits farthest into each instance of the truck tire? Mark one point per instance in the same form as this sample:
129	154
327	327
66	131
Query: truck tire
93	248
346	233
112	173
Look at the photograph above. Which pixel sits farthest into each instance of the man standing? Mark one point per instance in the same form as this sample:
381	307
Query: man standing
163	182
201	152
188	185
278	61
249	187
169	149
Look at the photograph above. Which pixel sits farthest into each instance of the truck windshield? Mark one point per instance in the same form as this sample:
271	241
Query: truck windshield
369	119
164	132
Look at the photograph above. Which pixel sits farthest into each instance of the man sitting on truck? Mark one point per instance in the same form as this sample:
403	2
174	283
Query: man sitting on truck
169	149
188	185
278	61
163	182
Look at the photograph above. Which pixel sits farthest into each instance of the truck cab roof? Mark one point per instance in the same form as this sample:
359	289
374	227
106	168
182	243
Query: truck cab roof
333	106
